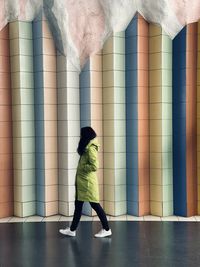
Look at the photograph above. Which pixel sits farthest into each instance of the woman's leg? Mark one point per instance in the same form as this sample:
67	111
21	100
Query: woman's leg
77	214
102	216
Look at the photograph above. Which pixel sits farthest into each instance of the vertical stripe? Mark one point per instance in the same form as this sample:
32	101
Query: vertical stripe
160	90
143	118
114	125
198	117
85	110
132	117
91	111
46	119
137	123
6	172
179	123
68	132
21	52
97	113
184	121
191	115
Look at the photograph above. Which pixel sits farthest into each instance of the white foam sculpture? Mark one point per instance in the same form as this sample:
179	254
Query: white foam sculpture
80	27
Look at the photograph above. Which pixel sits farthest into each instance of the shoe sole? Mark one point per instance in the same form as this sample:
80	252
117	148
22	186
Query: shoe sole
66	234
103	236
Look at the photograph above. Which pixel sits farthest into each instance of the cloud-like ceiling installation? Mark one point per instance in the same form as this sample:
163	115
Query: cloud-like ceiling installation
80	27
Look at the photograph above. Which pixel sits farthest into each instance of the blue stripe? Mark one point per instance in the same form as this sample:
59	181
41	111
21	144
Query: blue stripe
179	124
131	43
132	193
132	177
132	141
131	76
40	208
132	160
40	193
132	117
133	207
132	30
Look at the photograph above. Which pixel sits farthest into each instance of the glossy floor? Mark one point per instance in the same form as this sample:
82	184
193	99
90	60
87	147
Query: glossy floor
132	244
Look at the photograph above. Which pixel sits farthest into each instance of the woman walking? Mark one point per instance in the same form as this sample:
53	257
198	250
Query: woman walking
87	184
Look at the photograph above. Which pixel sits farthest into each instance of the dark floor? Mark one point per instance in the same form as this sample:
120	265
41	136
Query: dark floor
132	244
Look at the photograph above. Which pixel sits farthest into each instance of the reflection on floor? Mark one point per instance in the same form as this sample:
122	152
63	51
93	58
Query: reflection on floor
133	243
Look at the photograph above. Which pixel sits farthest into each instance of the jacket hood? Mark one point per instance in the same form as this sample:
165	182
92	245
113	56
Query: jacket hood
94	142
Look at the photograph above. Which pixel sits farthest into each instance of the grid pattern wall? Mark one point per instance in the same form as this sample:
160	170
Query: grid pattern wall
68	132
22	84
198	115
191	121
141	95
143	117
6	166
185	122
137	117
97	114
45	118
160	90
114	125
91	111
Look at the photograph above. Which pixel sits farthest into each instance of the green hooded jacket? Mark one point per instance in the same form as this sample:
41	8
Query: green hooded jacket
87	188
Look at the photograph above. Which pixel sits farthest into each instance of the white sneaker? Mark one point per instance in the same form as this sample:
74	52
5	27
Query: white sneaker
67	231
103	233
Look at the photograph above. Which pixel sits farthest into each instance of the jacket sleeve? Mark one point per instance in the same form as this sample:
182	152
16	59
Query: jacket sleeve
93	162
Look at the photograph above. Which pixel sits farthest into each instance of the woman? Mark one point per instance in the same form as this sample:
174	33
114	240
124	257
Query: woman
87	184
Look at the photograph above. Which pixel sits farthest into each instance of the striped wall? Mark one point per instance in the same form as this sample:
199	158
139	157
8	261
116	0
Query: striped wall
198	117
22	83
114	125
45	119
6	166
141	95
160	92
185	122
137	117
91	111
68	132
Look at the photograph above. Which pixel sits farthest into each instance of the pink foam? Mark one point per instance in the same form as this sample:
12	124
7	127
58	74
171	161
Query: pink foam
3	19
22	7
187	11
87	28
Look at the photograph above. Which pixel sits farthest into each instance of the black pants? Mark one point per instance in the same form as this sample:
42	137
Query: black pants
78	211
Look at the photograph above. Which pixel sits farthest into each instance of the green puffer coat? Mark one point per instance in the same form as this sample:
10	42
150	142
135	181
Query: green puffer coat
87	188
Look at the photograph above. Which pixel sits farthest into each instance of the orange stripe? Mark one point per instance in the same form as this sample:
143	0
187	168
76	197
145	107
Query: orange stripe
6	172
191	122
96	105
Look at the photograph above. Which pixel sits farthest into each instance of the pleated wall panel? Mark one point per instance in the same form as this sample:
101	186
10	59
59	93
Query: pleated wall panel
21	58
160	91
184	122
6	172
114	125
68	132
45	119
198	115
191	118
91	111
137	114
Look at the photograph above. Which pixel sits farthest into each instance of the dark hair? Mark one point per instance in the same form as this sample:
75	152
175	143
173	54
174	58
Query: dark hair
87	134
